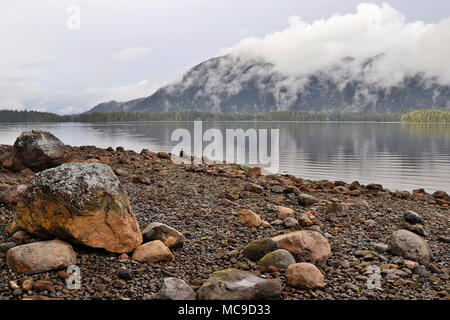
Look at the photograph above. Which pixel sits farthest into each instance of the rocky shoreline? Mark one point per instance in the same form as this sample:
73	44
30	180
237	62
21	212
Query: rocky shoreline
324	239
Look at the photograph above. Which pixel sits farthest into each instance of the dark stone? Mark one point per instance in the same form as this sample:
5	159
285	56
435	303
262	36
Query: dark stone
412	217
257	249
306	200
374	187
5	246
125	274
441	195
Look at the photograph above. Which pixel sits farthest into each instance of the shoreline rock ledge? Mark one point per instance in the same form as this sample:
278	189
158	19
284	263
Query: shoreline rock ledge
80	202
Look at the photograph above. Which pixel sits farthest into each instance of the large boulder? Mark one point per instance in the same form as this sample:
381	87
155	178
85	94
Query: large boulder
80	202
41	256
176	289
304	275
232	284
37	150
410	246
305	245
160	231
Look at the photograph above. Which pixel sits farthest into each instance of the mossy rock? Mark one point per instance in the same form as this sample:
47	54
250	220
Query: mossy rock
257	249
233	284
281	259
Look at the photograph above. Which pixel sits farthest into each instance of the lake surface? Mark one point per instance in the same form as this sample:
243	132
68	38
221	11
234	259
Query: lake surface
398	156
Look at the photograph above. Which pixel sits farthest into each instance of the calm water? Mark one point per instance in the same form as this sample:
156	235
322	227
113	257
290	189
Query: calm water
398	156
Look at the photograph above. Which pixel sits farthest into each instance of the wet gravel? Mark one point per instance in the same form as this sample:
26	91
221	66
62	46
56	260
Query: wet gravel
188	198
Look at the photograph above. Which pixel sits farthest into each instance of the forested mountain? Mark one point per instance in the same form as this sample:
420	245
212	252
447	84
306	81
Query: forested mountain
114	106
231	84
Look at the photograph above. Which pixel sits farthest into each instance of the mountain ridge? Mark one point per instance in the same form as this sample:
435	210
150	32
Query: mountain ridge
234	84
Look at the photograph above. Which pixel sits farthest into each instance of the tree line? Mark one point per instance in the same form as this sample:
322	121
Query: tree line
426	116
192	115
11	116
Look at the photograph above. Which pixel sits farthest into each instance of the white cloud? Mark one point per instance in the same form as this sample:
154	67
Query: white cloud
67	110
407	48
33	96
132	54
124	93
18	94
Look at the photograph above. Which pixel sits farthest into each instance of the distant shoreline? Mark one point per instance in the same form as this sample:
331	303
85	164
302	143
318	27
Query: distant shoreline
228	121
418	116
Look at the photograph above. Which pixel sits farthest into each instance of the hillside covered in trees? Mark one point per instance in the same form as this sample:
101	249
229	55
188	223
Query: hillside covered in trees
252	84
14	116
427	116
192	115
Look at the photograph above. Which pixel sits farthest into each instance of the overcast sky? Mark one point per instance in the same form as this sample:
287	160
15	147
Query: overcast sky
126	49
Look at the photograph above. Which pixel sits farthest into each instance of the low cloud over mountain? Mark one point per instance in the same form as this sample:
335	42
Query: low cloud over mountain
370	61
236	84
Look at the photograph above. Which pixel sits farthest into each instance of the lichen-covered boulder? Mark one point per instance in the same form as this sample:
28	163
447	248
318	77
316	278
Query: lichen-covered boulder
41	256
81	202
280	259
37	150
233	284
410	246
305	245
